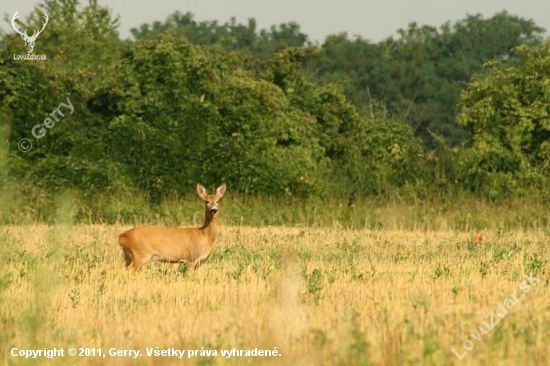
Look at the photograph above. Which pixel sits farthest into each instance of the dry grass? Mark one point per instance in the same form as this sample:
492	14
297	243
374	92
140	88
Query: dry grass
321	296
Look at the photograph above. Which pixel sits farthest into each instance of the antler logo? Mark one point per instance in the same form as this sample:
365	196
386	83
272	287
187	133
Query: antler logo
29	41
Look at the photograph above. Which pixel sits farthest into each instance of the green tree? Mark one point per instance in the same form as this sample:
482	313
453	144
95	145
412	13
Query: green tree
418	76
81	45
508	112
232	35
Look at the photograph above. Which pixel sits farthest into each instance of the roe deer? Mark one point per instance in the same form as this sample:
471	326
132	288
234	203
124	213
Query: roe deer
192	245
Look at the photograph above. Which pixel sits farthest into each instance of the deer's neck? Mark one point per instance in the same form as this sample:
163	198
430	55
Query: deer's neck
210	226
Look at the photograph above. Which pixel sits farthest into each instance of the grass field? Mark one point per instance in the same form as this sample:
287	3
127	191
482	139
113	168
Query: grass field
320	296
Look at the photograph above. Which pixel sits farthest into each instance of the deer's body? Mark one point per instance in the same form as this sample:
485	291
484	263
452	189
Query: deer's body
191	245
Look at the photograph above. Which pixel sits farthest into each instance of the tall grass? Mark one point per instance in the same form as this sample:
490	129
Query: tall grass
322	296
34	206
380	282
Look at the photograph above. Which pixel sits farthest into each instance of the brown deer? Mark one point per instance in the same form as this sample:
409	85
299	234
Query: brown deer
173	245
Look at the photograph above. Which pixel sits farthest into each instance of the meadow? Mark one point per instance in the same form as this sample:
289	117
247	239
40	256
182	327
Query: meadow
402	288
372	218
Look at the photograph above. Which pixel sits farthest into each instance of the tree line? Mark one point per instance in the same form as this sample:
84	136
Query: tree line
431	112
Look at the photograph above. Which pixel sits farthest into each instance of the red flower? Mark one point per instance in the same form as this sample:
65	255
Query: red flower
479	239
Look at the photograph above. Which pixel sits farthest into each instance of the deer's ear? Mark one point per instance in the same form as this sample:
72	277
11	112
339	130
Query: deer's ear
221	191
201	191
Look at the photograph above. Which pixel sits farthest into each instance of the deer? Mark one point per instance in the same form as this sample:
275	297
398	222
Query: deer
29	41
192	245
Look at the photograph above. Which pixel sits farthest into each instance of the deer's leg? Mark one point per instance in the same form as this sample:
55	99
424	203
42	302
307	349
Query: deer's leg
127	258
136	264
138	261
197	264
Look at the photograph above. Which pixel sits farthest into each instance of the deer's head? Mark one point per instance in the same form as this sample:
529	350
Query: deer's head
211	200
29	40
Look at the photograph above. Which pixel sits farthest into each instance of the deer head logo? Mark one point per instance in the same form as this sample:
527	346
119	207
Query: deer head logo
29	41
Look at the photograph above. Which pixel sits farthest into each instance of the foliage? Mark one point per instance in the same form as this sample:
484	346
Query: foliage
508	112
418	76
232	35
269	113
72	153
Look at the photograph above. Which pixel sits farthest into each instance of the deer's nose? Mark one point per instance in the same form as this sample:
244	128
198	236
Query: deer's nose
214	210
